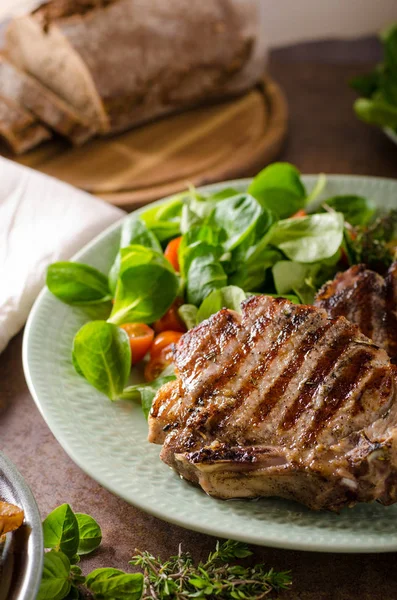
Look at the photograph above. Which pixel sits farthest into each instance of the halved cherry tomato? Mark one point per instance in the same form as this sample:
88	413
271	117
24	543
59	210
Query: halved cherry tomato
156	366
299	214
141	337
171	320
163	340
171	252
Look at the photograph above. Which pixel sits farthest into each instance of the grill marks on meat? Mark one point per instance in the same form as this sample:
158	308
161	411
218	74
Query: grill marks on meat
366	299
281	400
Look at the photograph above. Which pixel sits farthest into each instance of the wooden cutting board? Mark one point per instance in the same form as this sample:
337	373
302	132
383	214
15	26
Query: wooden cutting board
231	139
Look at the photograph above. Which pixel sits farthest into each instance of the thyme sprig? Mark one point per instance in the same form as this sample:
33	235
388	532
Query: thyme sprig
219	577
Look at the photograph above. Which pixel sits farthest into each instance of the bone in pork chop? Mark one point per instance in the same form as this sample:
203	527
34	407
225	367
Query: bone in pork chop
281	401
366	299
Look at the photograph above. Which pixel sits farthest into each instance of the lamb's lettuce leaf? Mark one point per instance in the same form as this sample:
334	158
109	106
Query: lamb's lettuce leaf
308	239
279	188
102	354
146	287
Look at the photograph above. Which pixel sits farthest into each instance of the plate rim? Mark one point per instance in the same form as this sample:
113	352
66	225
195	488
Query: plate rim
213	530
34	568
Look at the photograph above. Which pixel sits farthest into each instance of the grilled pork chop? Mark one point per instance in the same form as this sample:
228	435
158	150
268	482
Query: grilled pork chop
281	401
366	299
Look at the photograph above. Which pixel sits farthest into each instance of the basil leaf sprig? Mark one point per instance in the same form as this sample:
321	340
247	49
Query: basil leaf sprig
68	536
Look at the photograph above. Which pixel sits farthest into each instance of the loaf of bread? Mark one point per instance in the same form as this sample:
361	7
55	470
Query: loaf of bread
28	93
19	128
119	63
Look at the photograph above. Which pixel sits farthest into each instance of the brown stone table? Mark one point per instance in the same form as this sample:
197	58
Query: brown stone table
324	136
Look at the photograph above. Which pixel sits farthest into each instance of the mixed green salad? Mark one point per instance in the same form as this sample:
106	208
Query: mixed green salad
182	260
378	88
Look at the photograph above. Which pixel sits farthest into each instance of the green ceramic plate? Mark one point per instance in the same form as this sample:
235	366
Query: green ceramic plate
108	440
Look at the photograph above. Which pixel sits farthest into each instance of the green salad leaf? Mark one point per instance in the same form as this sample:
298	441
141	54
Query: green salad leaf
77	284
102	354
145	392
237	217
279	189
61	530
146	287
133	232
355	209
296	277
230	296
204	275
113	584
164	219
198	241
90	534
308	239
188	314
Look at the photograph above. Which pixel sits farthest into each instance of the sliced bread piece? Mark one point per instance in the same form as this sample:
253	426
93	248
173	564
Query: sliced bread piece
122	62
29	93
19	128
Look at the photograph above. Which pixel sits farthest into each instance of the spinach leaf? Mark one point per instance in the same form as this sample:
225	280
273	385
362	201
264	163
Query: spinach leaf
309	239
198	241
226	297
164	219
146	287
279	189
103	355
145	392
355	209
204	275
296	277
90	534
133	231
238	217
77	284
188	314
61	530
376	112
55	582
113	584
252	266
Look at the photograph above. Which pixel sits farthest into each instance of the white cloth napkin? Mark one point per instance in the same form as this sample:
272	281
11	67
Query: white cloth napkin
42	220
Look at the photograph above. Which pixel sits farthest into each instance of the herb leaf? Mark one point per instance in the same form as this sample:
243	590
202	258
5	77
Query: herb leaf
146	287
55	582
113	584
230	297
309	239
133	231
355	209
188	314
279	188
103	355
205	274
77	284
61	531
237	216
90	534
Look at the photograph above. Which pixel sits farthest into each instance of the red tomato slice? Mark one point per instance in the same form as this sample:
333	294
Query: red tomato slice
171	321
171	252
141	337
156	366
162	341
